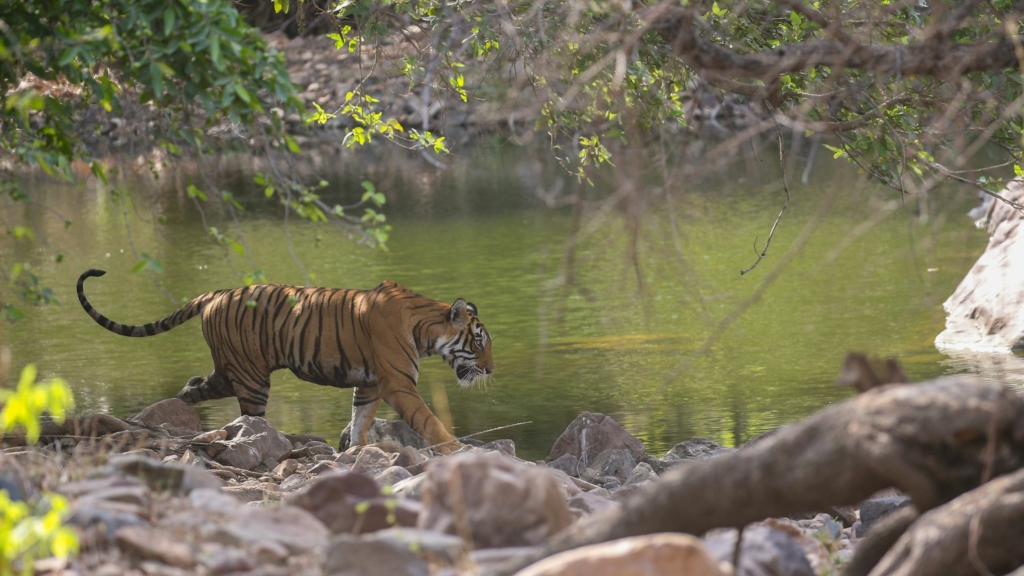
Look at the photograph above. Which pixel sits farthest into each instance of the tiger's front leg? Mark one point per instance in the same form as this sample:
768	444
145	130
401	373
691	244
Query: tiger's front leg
407	402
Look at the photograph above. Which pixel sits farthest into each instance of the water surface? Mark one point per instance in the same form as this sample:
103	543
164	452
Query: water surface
623	339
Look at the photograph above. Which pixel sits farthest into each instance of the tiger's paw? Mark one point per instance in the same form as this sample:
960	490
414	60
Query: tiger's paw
449	447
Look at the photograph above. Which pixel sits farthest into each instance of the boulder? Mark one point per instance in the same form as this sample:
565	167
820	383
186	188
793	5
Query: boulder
411	488
492	499
668	554
288	526
149	544
251	440
172	415
696	448
986	311
352	556
427	544
381	429
766	551
351	502
590	434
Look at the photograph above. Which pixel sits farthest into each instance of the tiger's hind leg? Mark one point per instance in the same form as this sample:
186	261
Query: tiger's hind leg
252	391
202	388
365	402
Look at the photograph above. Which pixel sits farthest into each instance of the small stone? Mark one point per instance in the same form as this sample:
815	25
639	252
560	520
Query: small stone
411	488
696	448
224	560
108	520
323	467
211	500
397	430
149	544
269	552
506	447
288	526
565	481
351	502
343	458
286	468
590	503
641	473
136	495
617	463
430	545
313	448
253	440
873	510
408	456
211	436
392	475
566	463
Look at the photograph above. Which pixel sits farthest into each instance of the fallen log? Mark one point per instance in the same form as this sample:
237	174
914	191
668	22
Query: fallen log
934	441
981	532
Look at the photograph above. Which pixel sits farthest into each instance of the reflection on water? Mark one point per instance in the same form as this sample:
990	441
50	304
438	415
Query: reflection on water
617	341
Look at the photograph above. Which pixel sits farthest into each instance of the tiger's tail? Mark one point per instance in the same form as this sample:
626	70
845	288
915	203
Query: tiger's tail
184	314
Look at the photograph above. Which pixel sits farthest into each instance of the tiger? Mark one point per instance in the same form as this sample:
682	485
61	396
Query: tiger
368	340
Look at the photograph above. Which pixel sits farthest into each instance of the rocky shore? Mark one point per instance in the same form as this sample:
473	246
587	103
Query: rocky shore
156	495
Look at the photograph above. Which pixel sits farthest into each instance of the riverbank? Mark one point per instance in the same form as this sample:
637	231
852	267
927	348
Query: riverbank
156	495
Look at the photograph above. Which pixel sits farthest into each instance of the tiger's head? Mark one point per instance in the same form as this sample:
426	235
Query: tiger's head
466	346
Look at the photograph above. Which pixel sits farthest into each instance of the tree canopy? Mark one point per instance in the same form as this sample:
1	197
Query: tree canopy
910	91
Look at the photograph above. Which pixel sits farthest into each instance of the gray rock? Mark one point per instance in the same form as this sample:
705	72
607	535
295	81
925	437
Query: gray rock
491	560
110	520
589	502
873	510
984	312
642	472
251	440
151	544
381	429
765	552
371	460
352	556
171	476
566	463
503	501
424	543
616	463
408	456
590	434
224	560
392	475
172	415
210	500
696	448
312	449
411	488
302	439
286	468
506	447
135	495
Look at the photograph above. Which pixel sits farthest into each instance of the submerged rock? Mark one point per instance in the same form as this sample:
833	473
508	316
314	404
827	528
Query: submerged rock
502	502
986	311
696	448
875	509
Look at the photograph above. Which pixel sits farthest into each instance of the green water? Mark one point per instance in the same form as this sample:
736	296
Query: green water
607	344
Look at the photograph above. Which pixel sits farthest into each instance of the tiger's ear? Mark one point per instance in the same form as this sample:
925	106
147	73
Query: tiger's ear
458	314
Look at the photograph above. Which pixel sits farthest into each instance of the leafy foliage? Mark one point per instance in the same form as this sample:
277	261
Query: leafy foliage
23	407
31	532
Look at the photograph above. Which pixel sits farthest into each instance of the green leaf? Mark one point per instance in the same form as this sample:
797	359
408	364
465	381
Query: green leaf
237	248
293	146
1017	170
168	21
